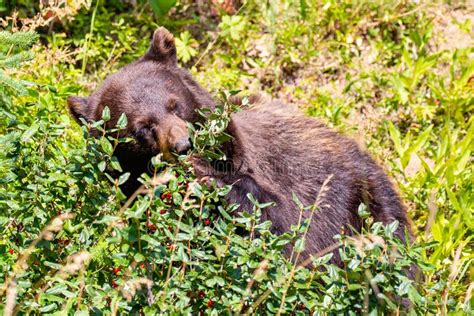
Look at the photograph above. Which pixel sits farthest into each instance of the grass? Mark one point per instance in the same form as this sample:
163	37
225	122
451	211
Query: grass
381	72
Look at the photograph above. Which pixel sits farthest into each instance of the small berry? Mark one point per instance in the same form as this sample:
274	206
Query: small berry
210	303
207	222
11	251
49	15
163	211
142	266
166	196
201	294
114	284
151	227
116	270
63	242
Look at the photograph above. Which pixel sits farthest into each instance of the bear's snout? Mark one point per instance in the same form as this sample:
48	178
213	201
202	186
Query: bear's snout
178	140
182	146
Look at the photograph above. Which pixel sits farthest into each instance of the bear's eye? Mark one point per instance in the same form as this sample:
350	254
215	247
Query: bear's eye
144	133
171	104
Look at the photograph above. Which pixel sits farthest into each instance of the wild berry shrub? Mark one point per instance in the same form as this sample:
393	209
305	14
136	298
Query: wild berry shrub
71	241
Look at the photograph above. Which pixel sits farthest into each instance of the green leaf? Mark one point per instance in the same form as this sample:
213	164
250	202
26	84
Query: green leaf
53	265
106	146
107	219
102	166
363	211
106	114
28	134
299	245
151	240
232	27
140	209
395	135
50	307
161	7
122	121
177	198
303	9
400	89
123	178
185	46
139	257
297	201
58	289
115	164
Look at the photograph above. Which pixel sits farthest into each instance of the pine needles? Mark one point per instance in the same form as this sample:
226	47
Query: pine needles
14	49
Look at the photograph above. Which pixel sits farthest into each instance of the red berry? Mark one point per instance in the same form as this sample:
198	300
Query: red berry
151	227
63	242
166	196
201	294
210	303
11	251
114	284
163	211
142	266
116	270
207	222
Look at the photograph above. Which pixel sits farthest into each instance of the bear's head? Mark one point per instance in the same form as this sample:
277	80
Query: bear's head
158	98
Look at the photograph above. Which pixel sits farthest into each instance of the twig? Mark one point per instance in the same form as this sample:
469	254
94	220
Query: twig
86	44
313	210
300	266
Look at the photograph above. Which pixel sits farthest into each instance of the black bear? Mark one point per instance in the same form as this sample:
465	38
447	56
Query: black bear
158	98
275	149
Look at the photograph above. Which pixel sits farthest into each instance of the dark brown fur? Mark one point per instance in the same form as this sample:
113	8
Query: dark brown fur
276	150
158	98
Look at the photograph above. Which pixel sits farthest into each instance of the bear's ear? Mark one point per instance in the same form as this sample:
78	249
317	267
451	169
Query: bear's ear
162	48
79	107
